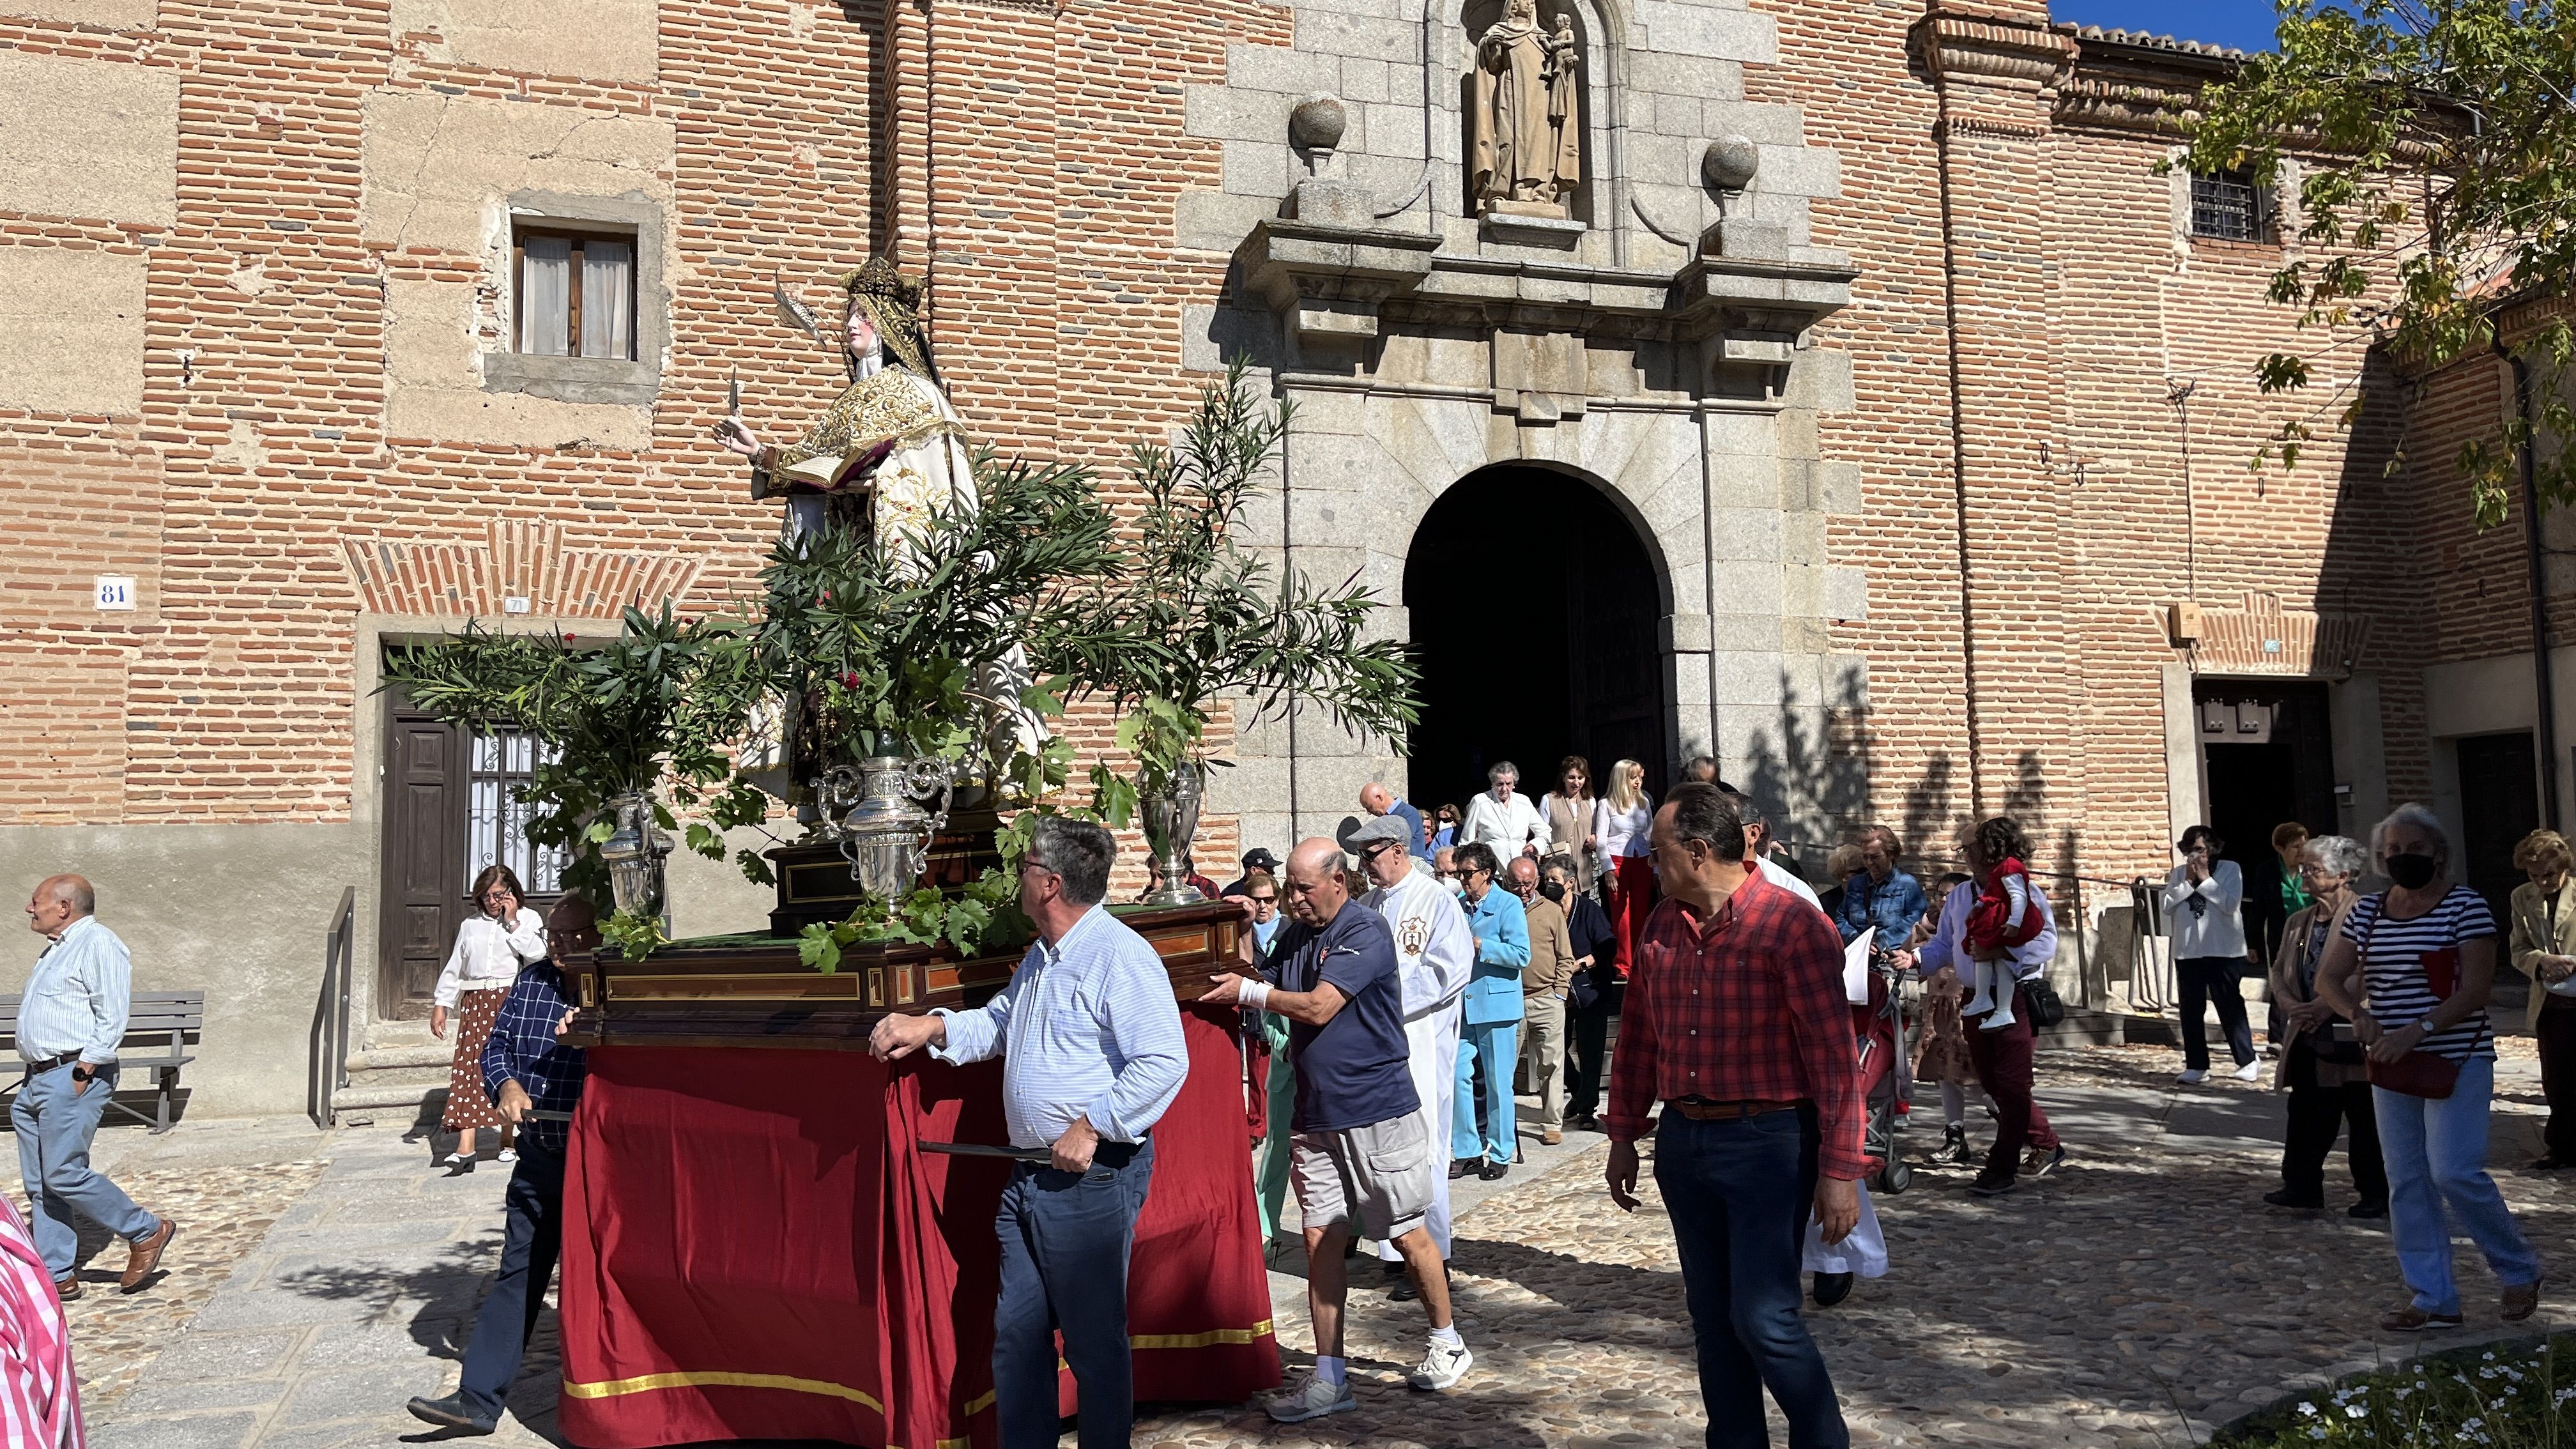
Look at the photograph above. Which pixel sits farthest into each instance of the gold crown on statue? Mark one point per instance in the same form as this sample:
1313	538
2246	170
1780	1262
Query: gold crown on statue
893	304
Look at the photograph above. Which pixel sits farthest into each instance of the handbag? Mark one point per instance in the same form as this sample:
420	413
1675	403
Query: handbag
2041	1000
2419	1073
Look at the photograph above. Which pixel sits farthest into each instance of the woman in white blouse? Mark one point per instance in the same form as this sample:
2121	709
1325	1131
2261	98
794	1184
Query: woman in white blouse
491	945
1621	817
2202	900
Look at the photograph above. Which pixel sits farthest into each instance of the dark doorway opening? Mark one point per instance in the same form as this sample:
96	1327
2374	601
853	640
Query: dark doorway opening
451	807
1534	605
2499	805
2268	752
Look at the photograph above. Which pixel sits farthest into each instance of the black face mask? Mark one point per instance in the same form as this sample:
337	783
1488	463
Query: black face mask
1554	890
2412	871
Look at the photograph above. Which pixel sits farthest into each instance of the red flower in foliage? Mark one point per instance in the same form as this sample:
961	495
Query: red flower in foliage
850	679
824	598
567	638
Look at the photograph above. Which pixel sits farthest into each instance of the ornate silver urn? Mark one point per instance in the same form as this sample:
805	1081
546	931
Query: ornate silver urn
634	854
877	817
1171	817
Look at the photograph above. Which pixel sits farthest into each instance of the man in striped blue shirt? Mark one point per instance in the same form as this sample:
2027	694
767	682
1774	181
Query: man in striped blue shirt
1089	1033
70	1020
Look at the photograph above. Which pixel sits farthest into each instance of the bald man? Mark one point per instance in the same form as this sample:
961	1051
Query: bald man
69	1024
1362	1156
1378	800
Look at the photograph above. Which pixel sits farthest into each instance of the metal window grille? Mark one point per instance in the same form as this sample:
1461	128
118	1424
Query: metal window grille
496	811
2226	207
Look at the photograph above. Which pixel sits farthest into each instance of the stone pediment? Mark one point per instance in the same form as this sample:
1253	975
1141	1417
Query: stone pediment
1337	285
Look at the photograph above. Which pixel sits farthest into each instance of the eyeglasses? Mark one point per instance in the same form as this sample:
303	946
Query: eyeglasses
1265	900
496	895
1374	850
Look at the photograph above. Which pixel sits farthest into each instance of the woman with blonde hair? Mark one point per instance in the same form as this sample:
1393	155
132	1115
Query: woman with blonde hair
2544	949
1621	819
491	945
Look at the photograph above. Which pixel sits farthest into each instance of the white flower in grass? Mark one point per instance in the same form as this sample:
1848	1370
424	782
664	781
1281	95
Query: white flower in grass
2307	1408
2355	1411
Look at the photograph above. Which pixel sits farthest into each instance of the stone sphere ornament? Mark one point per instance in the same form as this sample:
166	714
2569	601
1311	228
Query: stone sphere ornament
1729	163
1317	124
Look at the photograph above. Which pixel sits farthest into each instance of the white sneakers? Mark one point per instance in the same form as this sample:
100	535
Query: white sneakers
2193	1078
2251	1071
1310	1398
1442	1367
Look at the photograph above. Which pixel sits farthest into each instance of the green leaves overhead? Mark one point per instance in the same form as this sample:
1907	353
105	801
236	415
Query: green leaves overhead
2431	139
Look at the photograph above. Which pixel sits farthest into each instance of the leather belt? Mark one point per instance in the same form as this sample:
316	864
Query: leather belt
1699	1110
39	1068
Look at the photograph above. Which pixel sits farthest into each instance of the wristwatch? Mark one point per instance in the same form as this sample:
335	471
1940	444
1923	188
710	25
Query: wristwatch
82	1072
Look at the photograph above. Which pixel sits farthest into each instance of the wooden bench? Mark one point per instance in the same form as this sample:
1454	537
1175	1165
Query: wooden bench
159	1018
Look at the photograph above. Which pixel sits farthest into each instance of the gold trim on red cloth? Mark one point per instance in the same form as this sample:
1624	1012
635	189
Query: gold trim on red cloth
718	1379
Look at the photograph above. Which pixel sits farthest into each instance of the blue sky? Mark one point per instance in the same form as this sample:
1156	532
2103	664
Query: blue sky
2244	24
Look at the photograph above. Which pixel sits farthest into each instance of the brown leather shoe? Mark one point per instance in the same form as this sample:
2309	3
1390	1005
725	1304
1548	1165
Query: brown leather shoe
143	1255
2520	1301
2411	1319
1552	1136
68	1289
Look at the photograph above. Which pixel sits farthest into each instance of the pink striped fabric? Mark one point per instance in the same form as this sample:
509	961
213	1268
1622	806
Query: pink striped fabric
39	1396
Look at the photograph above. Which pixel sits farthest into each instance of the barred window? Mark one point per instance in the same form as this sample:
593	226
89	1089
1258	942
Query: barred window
576	293
496	814
2227	207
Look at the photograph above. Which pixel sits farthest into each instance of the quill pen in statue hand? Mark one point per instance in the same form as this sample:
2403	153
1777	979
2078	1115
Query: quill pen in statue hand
733	393
793	313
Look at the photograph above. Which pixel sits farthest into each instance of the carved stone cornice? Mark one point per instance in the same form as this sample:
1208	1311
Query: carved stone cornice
2010	49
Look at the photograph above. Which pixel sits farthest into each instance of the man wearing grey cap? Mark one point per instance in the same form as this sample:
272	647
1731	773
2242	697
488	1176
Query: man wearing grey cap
1434	952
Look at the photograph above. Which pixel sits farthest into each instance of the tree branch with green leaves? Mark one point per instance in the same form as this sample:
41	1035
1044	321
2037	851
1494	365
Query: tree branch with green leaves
2433	140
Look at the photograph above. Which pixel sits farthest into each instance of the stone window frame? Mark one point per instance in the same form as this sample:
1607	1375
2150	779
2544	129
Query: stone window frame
608	380
2257	206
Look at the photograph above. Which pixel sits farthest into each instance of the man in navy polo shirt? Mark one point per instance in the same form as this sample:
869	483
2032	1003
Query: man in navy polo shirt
1362	1150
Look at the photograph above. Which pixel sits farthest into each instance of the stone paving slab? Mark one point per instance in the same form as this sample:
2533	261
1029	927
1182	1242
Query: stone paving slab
2132	1299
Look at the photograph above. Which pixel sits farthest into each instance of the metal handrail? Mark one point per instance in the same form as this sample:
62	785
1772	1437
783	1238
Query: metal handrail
328	1069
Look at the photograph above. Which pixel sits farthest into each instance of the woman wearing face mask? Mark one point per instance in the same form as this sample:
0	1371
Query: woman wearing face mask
2411	967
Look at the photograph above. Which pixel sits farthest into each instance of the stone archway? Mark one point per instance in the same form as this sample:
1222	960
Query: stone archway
1534	605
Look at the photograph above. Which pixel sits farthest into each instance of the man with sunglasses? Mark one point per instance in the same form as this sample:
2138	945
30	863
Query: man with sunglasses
1434	951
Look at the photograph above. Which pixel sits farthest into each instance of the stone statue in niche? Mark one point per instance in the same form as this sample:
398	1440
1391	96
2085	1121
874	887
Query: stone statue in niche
1526	145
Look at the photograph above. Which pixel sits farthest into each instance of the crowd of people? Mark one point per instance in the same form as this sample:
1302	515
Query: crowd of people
1415	974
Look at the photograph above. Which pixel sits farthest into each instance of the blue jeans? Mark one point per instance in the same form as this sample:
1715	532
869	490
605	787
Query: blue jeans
1065	1244
1496	1043
54	1126
531	1239
1740	1194
2437	1154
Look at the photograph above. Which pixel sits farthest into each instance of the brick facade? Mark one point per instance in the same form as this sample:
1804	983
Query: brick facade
262	383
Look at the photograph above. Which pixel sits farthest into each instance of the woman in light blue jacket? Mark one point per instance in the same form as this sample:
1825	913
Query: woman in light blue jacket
2203	900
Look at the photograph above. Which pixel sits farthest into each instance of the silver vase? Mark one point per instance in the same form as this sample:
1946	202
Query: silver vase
1171	817
634	853
877	816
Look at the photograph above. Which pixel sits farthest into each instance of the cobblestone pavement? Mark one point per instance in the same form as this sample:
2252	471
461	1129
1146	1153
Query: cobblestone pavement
2135	1297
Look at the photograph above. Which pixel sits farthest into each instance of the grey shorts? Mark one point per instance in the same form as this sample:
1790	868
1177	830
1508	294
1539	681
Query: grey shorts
1377	1177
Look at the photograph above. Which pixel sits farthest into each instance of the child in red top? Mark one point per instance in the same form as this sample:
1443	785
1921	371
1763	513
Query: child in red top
2006	915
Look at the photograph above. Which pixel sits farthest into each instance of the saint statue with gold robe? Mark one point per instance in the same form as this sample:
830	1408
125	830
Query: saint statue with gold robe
888	453
1526	141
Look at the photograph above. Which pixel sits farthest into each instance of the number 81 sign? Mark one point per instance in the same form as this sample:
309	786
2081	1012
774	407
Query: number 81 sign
116	591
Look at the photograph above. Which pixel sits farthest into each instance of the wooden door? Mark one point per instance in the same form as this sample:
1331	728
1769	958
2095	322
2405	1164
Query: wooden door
424	848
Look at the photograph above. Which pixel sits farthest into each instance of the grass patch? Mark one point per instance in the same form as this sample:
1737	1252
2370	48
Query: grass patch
2519	1395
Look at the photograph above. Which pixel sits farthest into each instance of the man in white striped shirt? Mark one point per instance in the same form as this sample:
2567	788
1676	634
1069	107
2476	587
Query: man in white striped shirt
69	1024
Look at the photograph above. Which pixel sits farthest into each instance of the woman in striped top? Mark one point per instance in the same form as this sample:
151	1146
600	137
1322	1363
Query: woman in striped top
2423	954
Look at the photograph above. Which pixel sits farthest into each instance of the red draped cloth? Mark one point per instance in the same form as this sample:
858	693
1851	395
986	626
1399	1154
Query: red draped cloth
756	1247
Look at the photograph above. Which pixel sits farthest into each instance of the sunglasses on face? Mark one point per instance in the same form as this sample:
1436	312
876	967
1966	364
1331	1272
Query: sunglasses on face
1265	900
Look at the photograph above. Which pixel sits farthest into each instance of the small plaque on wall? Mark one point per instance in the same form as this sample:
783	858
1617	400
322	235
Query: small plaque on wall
115	591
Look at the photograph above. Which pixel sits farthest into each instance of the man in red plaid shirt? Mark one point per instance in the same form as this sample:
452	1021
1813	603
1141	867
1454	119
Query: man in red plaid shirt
1736	1024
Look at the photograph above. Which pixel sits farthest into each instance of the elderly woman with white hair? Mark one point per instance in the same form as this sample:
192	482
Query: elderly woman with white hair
2321	1066
2412	967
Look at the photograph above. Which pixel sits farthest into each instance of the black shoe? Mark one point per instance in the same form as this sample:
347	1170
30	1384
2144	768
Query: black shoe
1493	1171
1992	1184
1832	1288
1399	1285
2547	1162
1462	1167
1953	1150
2366	1210
452	1412
2283	1199
1583	1122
